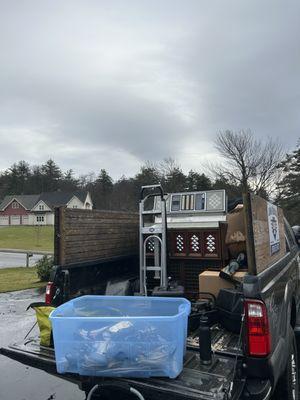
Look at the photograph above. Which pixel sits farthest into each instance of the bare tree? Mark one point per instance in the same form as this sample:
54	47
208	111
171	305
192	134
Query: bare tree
249	162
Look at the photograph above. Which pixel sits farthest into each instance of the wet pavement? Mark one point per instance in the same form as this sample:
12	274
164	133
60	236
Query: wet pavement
10	260
18	382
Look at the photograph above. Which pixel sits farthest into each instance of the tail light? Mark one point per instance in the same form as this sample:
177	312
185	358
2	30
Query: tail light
257	328
50	290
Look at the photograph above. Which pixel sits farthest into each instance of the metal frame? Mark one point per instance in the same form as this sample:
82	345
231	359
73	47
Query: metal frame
159	233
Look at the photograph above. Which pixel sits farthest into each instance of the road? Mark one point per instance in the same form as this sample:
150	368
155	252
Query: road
18	382
9	260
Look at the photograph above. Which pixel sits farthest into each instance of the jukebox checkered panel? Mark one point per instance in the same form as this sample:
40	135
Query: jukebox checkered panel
215	201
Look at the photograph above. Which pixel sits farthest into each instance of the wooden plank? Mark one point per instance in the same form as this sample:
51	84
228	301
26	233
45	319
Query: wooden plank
91	224
101	220
87	257
61	235
100	244
91	247
90	260
98	236
100	239
98	217
56	236
72	211
79	230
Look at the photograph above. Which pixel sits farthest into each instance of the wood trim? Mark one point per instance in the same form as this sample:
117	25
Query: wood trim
174	244
192	252
216	253
202	233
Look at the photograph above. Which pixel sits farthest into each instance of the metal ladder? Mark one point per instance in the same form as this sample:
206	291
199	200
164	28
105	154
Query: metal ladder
157	233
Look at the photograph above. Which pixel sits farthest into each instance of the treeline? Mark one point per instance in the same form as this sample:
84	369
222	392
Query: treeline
288	187
122	194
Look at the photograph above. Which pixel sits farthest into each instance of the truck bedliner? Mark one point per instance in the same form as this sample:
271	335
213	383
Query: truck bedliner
195	382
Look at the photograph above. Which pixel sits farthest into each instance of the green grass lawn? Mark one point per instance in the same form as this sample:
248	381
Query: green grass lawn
40	238
19	278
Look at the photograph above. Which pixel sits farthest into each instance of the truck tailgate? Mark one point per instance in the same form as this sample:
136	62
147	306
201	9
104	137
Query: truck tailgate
195	382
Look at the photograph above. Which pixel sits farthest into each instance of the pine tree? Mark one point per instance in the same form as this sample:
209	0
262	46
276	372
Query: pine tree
102	190
289	187
68	182
196	181
51	176
17	178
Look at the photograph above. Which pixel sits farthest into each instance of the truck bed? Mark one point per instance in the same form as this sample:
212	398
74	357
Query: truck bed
195	382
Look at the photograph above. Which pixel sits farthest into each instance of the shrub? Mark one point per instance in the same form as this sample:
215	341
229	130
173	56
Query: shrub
44	267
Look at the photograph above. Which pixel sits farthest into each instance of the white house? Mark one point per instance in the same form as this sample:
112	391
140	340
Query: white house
39	209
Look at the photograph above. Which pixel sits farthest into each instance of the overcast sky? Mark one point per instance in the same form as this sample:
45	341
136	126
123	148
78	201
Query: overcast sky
110	84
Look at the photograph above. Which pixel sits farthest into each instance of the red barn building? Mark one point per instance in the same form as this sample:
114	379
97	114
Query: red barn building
15	210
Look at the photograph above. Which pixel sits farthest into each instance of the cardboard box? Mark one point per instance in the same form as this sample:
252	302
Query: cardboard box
209	281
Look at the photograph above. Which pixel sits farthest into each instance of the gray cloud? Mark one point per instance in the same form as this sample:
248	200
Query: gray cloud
110	84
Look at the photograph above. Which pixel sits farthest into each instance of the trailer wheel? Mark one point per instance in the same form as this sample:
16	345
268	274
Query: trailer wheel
288	385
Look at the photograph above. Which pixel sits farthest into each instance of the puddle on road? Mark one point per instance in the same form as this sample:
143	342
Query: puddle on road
15	303
22	294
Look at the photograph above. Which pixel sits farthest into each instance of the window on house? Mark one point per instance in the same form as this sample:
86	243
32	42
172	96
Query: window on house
15	204
41	207
40	218
75	206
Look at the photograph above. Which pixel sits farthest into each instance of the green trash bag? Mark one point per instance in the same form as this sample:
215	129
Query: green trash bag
42	311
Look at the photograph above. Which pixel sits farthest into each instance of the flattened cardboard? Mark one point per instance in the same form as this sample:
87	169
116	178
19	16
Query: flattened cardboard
209	281
263	236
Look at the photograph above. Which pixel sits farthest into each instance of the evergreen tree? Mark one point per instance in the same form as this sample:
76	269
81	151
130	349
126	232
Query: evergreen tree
148	175
52	175
68	182
173	178
36	180
196	181
102	190
124	195
289	187
17	178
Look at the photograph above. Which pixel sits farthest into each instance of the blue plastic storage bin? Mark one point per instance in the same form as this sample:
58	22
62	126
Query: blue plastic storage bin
121	336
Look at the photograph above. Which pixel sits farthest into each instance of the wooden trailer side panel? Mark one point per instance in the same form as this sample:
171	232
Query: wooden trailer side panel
90	235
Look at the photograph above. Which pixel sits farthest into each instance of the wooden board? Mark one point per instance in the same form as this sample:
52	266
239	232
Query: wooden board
89	235
267	249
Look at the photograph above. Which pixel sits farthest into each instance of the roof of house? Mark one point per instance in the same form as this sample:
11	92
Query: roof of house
56	199
26	200
52	199
81	195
